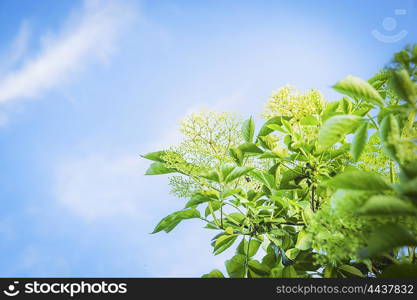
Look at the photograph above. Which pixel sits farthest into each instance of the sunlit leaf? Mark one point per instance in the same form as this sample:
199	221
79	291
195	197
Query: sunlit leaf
358	88
359	141
248	130
335	128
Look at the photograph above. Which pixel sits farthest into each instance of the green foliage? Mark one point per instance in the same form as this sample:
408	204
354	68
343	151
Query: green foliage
358	89
323	189
336	128
359	141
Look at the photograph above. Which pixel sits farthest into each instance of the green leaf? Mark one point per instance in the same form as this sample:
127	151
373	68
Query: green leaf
272	257
265	130
214	205
236	218
250	148
304	240
335	128
211	175
225	170
350	271
237	172
389	132
358	88
171	221
223	243
201	197
155	156
305	261
409	189
359	180
400	271
236	266
264	177
386	238
276	127
331	110
258	268
289	272
253	247
309	121
158	168
292	253
359	141
404	87
237	155
387	205
248	130
214	274
329	272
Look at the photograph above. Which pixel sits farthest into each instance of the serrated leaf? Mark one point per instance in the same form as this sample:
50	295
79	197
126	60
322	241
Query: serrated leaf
309	121
304	240
248	130
158	168
359	180
237	155
264	177
335	128
171	221
292	253
359	141
225	170
223	243
214	274
404	87
386	205
201	197
400	271
258	268
155	156
350	271
389	132
387	238
358	88
253	247
237	172
265	130
250	148
212	175
289	272
236	266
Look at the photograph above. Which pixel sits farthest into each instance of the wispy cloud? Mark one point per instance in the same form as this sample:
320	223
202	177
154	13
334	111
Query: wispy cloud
17	49
88	36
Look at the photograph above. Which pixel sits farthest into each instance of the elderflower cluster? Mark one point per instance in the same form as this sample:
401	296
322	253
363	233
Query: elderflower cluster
287	101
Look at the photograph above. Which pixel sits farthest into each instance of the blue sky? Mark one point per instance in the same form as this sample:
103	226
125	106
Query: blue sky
87	86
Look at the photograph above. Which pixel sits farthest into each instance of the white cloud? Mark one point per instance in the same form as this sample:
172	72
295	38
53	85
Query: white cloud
88	36
17	49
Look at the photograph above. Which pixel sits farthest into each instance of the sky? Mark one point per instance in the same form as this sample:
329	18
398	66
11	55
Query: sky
88	86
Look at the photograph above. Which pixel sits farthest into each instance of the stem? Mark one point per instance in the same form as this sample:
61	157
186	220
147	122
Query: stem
372	120
214	216
391	171
221	207
412	254
293	224
247	253
312	198
390	257
232	205
204	219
